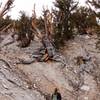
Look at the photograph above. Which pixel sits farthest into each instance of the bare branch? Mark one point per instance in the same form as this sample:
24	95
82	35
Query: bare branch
96	3
48	22
5	28
6	7
34	13
38	32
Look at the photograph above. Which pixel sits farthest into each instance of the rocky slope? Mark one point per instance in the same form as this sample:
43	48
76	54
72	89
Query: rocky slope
36	81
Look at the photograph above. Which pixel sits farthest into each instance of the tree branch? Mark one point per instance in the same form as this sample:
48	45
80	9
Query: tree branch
6	7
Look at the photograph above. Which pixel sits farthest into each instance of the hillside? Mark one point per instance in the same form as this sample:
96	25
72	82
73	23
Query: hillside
36	81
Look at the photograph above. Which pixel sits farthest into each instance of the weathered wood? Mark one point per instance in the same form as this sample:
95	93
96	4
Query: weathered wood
38	32
34	26
5	28
6	7
47	51
48	22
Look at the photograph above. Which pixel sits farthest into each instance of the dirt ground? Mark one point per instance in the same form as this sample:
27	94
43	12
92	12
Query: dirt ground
38	80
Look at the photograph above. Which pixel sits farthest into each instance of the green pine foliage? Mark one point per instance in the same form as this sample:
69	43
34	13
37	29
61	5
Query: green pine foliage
63	26
23	29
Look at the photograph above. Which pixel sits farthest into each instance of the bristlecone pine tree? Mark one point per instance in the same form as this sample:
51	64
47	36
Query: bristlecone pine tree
23	28
62	20
84	19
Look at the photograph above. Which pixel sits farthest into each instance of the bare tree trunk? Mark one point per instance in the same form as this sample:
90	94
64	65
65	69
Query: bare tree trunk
48	22
48	51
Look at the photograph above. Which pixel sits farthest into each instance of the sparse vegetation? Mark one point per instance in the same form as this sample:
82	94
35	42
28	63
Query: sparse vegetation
76	72
23	28
63	20
68	20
